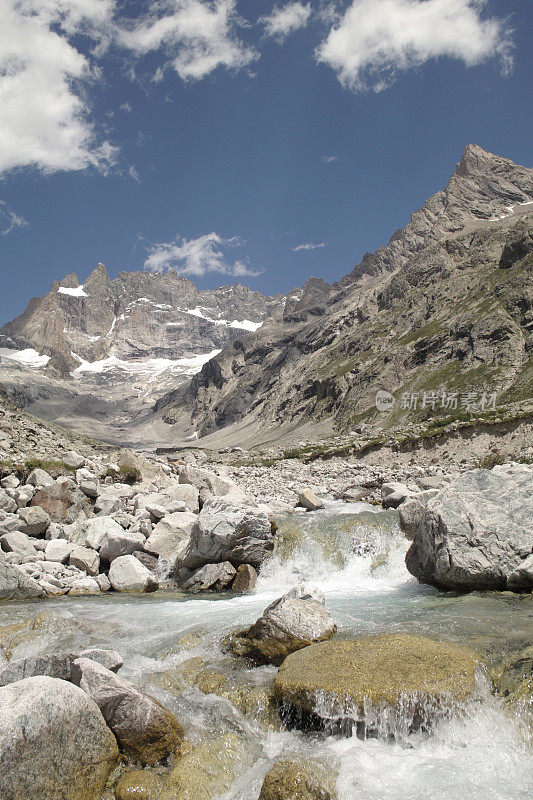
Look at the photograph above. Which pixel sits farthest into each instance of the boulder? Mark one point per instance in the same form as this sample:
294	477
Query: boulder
393	494
139	784
171	535
227	532
38	477
477	533
211	577
73	459
245	579
96	529
211	485
411	513
123	543
62	502
309	501
296	620
150	562
84	585
54	743
15	584
298	780
513	680
20	543
57	665
127	574
86	559
7	503
33	520
208	770
58	550
348	680
145	731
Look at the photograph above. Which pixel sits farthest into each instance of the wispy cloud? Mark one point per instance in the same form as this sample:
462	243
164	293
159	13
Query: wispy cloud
329	159
198	37
198	256
309	246
377	39
134	175
9	221
126	107
285	20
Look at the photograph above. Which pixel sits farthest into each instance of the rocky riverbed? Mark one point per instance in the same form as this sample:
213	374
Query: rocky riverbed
177	629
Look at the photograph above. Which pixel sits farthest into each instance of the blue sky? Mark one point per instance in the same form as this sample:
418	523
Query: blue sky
259	143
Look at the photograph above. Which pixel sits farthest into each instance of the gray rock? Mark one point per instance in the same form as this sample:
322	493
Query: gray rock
477	533
146	731
96	529
245	579
107	503
394	494
63	501
123	543
54	743
40	478
521	578
296	620
127	574
15	584
73	459
171	535
103	582
7	503
226	532
410	513
58	550
57	665
18	542
33	521
10	482
211	577
211	485
86	559
309	501
84	585
149	561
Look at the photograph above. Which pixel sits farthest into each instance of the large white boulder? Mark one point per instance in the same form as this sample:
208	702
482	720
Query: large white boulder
127	574
171	535
54	742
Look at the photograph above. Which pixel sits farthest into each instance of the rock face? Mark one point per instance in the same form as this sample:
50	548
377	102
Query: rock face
294	780
132	330
15	584
54	743
341	679
477	533
227	532
422	299
296	620
145	731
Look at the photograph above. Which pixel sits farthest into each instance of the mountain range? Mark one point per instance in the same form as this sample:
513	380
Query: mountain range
439	321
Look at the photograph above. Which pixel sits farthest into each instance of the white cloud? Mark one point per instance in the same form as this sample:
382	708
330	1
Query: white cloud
197	256
286	19
134	175
329	159
375	39
198	36
308	246
126	107
9	221
44	118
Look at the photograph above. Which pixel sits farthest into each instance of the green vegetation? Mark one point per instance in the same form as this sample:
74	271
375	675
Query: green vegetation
22	470
127	473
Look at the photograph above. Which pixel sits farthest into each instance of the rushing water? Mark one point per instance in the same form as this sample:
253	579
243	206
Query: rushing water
355	555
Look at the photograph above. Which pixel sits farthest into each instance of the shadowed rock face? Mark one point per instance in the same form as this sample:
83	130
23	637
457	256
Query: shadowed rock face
446	304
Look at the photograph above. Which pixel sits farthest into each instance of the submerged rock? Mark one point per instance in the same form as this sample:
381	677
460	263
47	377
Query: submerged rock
209	769
145	731
477	533
54	743
139	785
514	679
296	620
348	679
245	579
296	780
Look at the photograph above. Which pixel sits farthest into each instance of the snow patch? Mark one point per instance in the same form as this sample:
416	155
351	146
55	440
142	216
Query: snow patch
30	357
78	292
151	367
245	324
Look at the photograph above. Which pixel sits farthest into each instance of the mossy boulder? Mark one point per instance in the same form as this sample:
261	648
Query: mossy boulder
294	780
139	785
514	679
343	679
209	769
